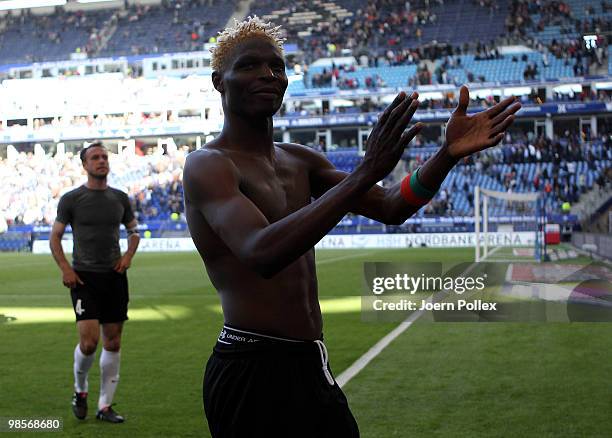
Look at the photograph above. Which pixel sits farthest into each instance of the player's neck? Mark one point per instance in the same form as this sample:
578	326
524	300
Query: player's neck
96	184
247	135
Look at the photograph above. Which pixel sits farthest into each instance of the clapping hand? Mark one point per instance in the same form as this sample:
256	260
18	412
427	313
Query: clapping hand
468	134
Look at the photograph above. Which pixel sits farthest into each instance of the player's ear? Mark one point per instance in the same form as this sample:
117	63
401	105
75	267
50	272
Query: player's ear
217	79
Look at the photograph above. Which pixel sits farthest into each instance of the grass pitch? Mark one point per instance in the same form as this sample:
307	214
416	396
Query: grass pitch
436	379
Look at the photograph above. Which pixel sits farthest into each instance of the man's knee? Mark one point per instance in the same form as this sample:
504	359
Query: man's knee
89	345
89	334
112	344
111	335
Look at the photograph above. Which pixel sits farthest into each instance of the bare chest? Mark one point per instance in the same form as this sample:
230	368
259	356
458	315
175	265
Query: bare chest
277	188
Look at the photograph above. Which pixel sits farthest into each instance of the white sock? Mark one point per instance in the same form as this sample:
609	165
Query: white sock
109	377
82	364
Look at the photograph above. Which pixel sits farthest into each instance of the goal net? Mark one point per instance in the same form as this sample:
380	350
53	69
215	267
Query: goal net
508	226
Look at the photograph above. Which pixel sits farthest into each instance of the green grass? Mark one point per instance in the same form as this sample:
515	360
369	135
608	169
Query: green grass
436	379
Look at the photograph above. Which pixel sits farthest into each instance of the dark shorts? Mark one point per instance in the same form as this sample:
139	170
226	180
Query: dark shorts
257	386
104	296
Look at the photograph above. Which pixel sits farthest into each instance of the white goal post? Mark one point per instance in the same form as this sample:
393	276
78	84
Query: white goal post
482	215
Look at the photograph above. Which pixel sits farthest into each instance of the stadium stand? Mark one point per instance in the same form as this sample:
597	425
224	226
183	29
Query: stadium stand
326	28
34	38
557	20
563	168
379	33
509	68
456	70
175	26
366	77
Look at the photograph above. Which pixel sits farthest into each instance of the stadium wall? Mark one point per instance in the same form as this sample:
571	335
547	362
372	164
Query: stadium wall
602	242
349	241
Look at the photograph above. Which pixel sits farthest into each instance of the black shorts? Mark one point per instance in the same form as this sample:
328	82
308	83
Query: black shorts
257	386
104	296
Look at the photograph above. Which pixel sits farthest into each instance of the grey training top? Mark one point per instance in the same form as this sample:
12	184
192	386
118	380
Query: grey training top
95	216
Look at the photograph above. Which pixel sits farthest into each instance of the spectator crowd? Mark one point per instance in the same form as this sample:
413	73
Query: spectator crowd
33	183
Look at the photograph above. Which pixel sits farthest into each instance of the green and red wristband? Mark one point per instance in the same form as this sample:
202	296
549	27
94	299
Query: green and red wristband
413	191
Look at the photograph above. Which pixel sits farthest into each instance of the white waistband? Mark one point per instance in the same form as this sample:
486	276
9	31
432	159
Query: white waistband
227	327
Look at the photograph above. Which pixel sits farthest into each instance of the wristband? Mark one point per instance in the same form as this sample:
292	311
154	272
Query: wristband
413	191
420	189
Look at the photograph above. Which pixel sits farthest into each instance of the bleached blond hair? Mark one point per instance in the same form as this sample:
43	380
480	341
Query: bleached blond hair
229	38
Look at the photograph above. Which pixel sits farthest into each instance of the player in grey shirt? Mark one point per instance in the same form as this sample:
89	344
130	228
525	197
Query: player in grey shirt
97	278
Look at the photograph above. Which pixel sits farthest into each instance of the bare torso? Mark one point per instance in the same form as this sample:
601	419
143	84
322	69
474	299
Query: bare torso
287	304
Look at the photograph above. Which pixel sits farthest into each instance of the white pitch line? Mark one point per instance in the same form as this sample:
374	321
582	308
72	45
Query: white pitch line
352	256
369	355
493	251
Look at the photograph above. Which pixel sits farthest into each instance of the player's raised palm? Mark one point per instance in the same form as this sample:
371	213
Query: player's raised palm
468	134
388	139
